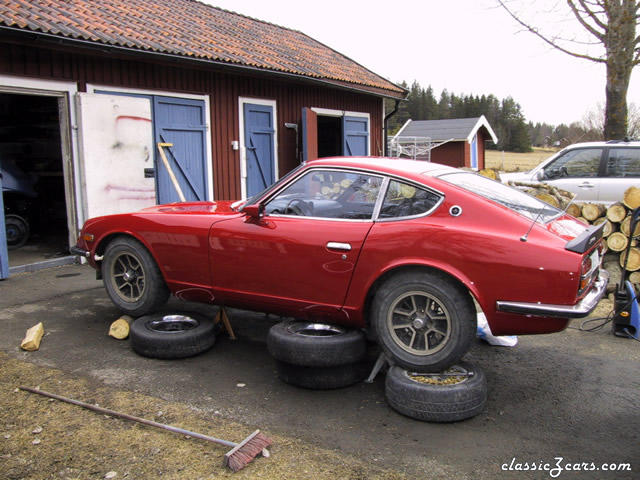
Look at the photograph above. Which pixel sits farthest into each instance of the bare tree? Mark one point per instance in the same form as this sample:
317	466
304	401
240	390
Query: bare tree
610	24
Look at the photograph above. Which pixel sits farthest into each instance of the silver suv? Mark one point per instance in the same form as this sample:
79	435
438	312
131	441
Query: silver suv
595	171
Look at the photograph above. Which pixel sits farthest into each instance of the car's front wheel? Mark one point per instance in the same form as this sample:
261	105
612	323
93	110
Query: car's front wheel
132	278
424	321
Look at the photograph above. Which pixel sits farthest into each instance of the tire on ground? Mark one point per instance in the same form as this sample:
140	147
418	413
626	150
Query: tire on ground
17	231
424	321
437	402
322	378
132	278
312	344
168	336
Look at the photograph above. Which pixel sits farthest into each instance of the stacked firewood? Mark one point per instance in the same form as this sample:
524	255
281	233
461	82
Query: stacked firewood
616	219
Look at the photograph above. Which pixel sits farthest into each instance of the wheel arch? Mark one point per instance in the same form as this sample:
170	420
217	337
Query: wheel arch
457	279
106	239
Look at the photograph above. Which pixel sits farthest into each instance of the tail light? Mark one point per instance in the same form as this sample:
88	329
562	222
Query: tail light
589	270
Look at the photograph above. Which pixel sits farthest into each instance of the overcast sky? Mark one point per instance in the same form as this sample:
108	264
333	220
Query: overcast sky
465	46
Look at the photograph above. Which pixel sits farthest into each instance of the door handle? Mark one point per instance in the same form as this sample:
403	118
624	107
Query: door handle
586	185
339	246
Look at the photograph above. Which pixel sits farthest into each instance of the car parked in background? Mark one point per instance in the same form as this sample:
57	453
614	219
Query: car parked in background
597	172
397	247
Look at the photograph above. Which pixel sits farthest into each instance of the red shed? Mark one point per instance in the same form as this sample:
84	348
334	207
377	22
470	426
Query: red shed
94	94
456	142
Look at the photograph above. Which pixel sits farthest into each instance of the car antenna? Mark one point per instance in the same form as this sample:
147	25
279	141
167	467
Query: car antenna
524	237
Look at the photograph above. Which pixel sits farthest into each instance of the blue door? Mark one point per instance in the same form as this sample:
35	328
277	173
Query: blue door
182	122
4	254
474	152
259	134
355	136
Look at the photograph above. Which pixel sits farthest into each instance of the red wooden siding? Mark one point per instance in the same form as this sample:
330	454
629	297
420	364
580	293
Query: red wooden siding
222	88
451	153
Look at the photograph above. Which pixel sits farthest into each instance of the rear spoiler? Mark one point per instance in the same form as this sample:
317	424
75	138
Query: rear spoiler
586	239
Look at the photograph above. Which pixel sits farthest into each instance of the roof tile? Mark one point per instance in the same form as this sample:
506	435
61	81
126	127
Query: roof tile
191	29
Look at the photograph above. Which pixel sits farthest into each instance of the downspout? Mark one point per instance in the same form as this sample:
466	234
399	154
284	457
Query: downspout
387	117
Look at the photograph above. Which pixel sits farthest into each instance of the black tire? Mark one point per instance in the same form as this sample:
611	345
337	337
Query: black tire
132	278
311	344
424	321
322	378
437	402
17	230
169	336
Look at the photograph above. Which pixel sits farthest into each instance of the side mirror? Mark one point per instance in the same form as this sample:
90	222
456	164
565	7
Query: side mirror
253	211
539	175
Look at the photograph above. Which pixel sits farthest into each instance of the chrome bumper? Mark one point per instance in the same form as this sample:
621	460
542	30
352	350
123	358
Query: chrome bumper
581	309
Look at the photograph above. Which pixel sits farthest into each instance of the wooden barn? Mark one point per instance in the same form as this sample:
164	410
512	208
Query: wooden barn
456	142
106	105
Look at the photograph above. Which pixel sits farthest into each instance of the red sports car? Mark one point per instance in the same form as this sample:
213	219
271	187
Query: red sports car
398	247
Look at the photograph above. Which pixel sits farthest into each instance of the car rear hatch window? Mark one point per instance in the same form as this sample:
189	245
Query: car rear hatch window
509	197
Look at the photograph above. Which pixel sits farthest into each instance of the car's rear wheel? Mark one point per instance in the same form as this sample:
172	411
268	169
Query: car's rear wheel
423	321
132	278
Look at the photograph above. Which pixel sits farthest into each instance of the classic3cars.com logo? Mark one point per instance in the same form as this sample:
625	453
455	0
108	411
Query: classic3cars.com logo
559	465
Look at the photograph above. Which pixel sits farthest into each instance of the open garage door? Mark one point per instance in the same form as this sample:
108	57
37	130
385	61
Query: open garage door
116	144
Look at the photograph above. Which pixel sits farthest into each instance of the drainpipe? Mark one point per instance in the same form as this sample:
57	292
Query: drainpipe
386	121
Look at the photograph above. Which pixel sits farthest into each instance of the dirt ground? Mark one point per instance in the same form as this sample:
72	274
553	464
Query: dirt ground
43	438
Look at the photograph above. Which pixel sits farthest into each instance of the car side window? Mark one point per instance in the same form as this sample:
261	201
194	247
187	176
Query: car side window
584	162
623	162
404	200
328	194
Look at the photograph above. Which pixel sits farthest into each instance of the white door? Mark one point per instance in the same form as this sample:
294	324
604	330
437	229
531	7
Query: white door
116	153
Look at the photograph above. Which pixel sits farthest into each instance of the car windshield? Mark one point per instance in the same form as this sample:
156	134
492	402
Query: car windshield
511	198
240	204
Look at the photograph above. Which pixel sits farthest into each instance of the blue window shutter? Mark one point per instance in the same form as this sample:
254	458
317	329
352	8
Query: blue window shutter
355	136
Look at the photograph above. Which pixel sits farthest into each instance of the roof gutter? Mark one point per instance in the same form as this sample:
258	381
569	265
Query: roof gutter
387	117
181	58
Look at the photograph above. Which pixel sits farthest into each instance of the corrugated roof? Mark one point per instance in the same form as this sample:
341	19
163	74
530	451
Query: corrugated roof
449	129
191	29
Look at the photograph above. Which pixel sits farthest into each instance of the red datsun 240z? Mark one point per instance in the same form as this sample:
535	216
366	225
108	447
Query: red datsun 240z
398	247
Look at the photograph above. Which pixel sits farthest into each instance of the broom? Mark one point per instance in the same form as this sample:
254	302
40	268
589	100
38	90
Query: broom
236	458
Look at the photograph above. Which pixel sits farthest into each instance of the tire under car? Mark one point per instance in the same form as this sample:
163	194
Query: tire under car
458	393
318	356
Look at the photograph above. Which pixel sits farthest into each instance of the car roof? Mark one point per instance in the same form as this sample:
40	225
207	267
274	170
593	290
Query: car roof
609	143
393	166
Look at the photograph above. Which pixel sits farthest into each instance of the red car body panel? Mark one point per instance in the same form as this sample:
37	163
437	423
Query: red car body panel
210	252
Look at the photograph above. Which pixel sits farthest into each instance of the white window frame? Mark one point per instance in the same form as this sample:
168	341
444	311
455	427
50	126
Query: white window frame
328	112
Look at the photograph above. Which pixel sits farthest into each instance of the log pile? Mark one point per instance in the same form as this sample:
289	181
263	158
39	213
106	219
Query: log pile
616	217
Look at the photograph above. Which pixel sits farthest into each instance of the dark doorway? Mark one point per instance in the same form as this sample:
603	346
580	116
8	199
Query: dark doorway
329	136
33	180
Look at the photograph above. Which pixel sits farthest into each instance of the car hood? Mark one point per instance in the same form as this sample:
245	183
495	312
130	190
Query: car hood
516	177
194	208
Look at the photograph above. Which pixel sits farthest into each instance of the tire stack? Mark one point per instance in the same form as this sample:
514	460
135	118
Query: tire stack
318	356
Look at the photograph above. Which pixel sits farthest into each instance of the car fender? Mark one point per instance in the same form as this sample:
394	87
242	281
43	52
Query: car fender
361	291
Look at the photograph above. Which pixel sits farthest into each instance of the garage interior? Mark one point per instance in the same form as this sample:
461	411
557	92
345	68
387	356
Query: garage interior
33	180
329	136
